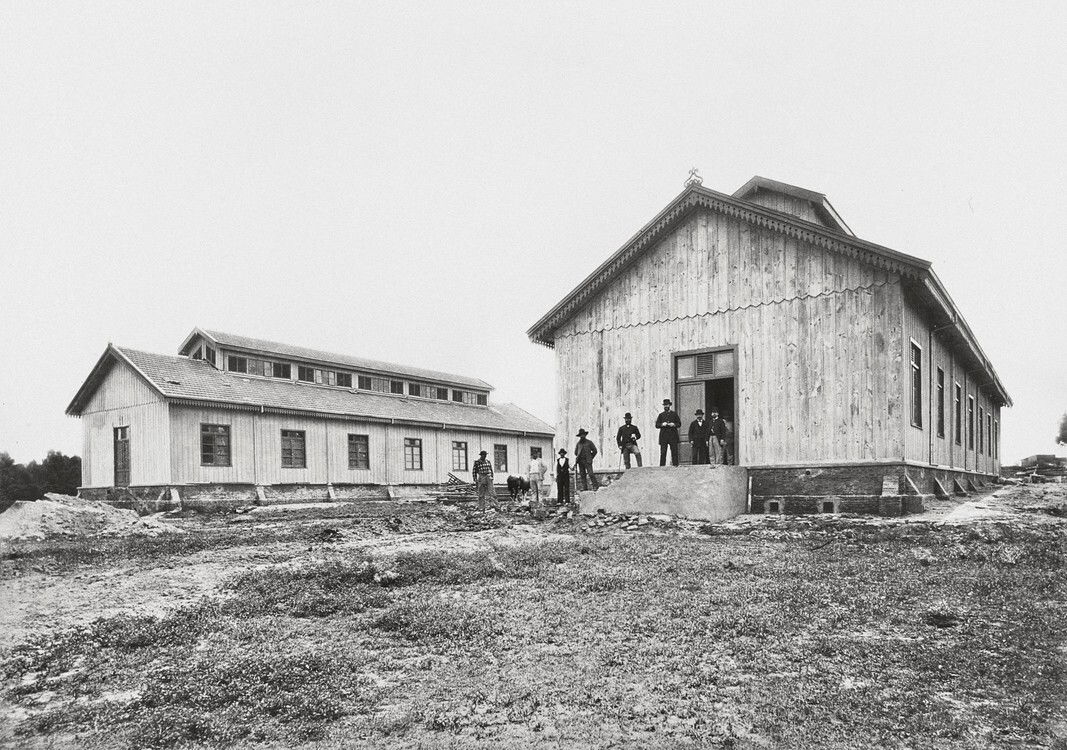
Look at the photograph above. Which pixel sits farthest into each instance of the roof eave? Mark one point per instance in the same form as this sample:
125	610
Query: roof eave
195	334
92	382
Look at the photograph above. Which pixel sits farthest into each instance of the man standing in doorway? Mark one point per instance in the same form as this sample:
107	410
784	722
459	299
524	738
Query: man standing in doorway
563	478
584	453
718	437
667	423
627	440
483	478
699	431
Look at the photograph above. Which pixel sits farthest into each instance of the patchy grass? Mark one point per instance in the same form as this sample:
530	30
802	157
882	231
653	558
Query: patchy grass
828	637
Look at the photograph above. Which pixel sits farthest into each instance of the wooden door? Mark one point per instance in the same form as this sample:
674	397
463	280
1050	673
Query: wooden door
690	398
122	456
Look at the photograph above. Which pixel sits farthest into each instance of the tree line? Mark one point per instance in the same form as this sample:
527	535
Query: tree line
56	473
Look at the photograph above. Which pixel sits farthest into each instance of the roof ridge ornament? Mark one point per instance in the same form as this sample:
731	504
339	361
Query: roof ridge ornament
694	178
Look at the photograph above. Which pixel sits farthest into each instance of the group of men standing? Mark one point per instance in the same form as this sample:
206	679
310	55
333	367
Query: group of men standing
710	439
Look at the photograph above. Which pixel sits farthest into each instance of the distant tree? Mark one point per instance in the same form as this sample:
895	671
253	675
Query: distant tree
1061	439
56	473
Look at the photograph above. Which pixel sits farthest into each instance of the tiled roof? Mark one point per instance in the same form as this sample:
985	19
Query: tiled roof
356	363
196	380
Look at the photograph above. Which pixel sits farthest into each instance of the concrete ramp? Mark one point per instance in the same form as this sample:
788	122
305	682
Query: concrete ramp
708	493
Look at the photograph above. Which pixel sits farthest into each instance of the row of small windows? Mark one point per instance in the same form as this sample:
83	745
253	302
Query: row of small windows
986	429
215	450
284	371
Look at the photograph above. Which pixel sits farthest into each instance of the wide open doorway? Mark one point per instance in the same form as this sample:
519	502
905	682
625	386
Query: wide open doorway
705	380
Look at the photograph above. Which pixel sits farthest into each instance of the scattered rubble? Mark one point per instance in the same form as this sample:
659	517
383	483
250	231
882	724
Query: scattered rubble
57	516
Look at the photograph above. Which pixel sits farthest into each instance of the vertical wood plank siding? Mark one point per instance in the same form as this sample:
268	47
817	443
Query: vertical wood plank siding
124	399
818	337
256	449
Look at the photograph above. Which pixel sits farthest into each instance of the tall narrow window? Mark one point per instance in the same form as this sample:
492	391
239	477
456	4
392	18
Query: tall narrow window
122	456
459	456
358	452
214	445
916	385
293	455
500	457
958	414
970	423
413	454
209	355
996	438
981	431
940	402
236	364
989	434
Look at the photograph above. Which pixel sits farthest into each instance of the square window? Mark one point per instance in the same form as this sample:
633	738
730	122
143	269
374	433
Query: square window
305	374
535	452
344	379
442	394
483	400
414	389
282	370
396	386
686	367
236	364
457	395
214	445
363	382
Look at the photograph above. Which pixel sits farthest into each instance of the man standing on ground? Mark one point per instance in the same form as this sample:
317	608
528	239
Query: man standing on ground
483	478
584	453
699	431
627	440
536	474
667	423
563	478
718	436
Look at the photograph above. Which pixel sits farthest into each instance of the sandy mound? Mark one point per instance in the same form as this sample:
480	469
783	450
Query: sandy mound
65	516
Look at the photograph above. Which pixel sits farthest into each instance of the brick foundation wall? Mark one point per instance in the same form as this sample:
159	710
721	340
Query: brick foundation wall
870	489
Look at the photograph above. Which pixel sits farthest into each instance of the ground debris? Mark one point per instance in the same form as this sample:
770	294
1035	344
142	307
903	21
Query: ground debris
57	516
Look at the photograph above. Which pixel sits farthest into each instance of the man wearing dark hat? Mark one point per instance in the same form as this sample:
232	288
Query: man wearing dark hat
627	440
667	423
584	453
699	432
563	477
483	478
717	427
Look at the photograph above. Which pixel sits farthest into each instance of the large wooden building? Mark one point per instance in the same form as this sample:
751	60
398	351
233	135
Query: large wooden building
842	363
233	420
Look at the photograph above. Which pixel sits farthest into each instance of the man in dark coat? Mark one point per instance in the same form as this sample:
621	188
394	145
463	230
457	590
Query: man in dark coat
699	432
563	477
627	439
718	437
667	423
584	453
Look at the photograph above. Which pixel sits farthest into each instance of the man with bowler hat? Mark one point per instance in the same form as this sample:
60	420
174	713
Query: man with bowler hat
483	478
699	432
627	440
667	423
563	477
584	453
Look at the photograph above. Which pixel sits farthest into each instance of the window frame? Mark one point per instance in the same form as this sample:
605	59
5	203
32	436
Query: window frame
286	367
305	374
460	451
940	403
205	433
413	454
344	379
958	423
970	422
916	387
292	434
358	448
234	359
498	450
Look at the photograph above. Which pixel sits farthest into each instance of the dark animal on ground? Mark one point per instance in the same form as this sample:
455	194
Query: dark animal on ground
518	486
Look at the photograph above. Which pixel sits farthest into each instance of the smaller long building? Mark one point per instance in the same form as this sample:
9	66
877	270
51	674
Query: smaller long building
231	419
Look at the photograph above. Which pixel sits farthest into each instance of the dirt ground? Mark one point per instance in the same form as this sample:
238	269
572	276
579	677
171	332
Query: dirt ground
48	589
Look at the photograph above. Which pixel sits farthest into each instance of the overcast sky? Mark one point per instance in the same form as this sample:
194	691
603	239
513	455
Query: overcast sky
421	182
